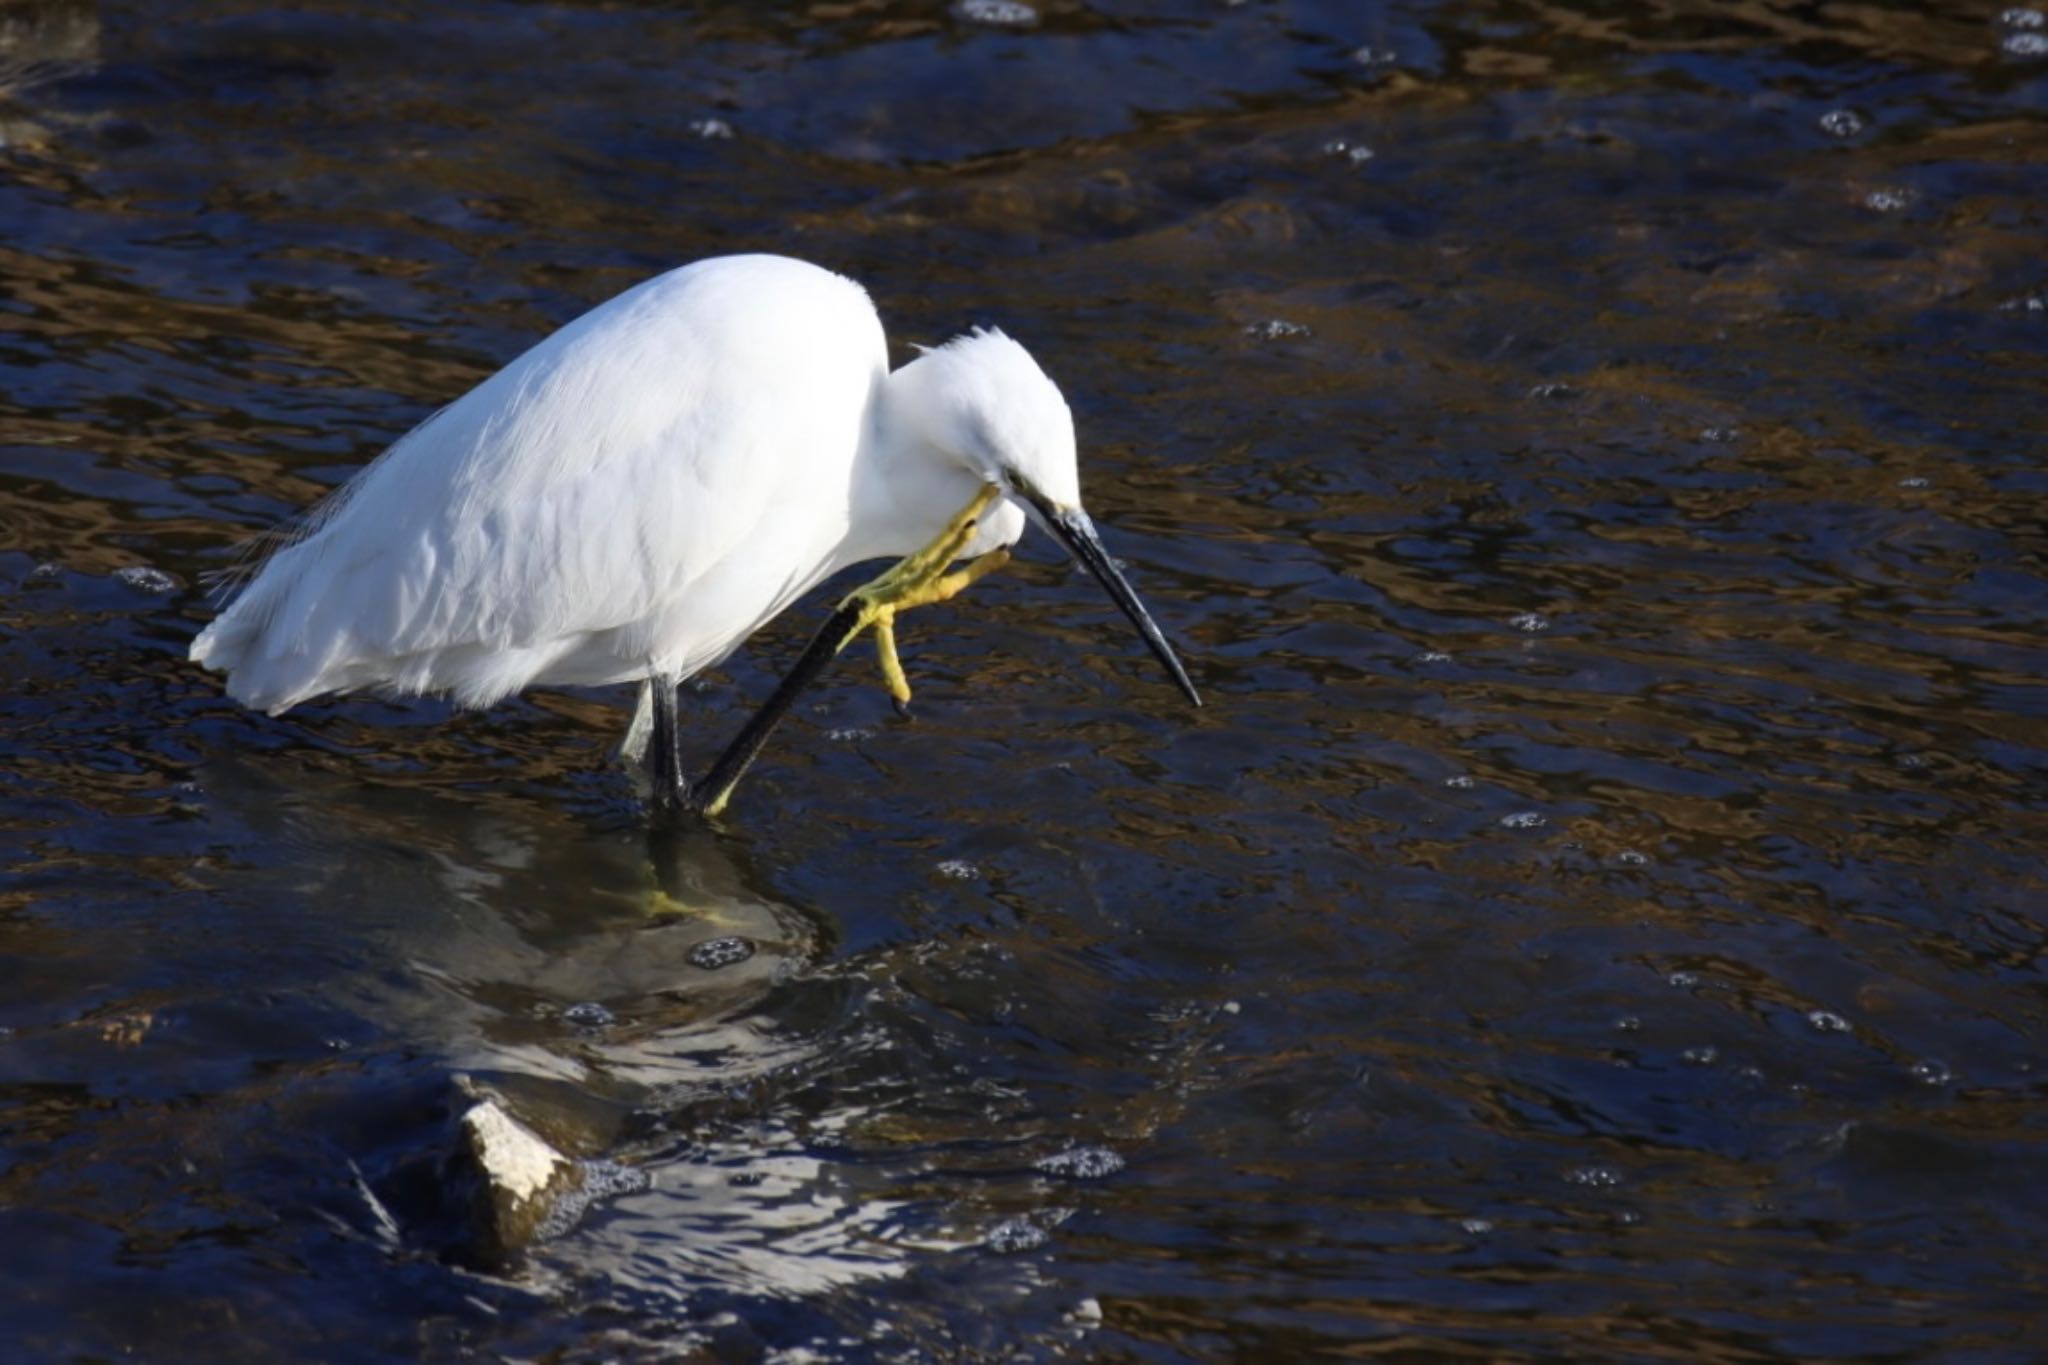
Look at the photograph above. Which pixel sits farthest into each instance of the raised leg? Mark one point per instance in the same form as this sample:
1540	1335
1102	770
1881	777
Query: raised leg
918	579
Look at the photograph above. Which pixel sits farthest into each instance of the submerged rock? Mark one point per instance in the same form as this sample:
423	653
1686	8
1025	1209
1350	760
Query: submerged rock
522	1179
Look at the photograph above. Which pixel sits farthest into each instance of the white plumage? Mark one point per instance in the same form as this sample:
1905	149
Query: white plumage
634	496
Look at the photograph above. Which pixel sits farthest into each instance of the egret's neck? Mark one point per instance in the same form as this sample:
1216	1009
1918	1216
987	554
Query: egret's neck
905	486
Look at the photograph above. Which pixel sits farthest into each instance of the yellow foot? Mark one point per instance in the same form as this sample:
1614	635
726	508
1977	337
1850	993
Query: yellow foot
882	616
919	580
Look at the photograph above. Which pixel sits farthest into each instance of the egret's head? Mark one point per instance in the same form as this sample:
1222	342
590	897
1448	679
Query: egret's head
982	401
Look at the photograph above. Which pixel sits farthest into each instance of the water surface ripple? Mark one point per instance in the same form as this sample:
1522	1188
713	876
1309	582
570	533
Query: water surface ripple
1592	455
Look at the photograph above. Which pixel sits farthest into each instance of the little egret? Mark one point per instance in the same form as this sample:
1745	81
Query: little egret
637	494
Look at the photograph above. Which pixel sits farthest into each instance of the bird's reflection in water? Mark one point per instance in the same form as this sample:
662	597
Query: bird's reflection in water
490	922
634	996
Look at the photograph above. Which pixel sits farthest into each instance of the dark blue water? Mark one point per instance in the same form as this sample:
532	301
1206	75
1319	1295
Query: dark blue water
1593	459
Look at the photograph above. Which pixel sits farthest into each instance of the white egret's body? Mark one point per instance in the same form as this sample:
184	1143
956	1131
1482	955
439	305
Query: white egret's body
634	496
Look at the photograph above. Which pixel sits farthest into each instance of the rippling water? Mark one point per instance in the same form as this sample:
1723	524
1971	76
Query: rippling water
1592	454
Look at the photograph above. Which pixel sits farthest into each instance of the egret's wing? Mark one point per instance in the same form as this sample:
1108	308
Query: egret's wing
638	491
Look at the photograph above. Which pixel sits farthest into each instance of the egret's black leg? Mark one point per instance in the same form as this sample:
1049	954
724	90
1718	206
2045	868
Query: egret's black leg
671	791
833	636
917	580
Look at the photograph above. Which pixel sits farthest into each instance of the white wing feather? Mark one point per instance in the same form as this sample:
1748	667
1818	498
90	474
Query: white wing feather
694	436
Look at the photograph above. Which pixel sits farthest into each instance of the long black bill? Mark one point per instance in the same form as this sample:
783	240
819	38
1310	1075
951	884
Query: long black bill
1075	531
